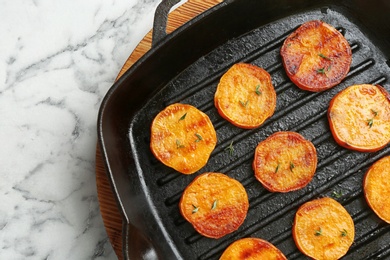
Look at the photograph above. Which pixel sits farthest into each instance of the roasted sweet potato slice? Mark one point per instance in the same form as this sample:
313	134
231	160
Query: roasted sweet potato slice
323	229
376	188
359	118
182	137
252	249
245	96
214	204
285	161
316	56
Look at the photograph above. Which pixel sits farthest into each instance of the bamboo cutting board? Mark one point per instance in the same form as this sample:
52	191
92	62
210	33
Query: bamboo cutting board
111	216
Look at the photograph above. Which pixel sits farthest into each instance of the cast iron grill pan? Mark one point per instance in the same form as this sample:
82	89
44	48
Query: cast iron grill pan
339	173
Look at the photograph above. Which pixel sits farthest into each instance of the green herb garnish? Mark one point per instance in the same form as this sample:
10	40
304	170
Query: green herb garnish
183	117
230	148
179	144
370	122
324	70
258	91
374	112
318	232
277	168
324	57
244	104
292	166
337	194
344	233
214	204
195	209
321	71
199	138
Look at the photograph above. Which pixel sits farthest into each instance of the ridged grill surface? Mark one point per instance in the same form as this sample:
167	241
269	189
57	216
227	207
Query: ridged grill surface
339	173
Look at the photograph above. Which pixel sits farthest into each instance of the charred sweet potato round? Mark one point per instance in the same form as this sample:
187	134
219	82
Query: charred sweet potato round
214	204
285	161
182	137
359	118
323	229
245	96
316	56
252	249
376	188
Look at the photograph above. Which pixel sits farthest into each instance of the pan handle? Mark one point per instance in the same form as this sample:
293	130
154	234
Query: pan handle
136	245
161	14
160	20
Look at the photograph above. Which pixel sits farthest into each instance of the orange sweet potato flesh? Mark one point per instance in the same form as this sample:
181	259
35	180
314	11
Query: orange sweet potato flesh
316	56
245	96
323	229
376	188
214	204
359	118
285	161
182	137
252	249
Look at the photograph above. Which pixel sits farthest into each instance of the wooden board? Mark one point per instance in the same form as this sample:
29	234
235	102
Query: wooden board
111	216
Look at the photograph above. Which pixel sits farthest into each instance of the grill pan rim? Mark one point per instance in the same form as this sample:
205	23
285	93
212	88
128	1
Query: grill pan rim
107	109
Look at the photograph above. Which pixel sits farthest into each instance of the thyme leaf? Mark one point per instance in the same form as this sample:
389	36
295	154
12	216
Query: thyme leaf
183	117
214	204
324	57
199	138
324	70
374	112
230	148
337	194
179	144
321	71
292	166
258	91
318	232
370	122
277	168
195	209
244	104
344	233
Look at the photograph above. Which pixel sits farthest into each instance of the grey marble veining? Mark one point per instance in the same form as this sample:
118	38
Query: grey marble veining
57	61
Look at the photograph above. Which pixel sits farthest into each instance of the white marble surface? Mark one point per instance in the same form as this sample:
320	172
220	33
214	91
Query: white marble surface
57	61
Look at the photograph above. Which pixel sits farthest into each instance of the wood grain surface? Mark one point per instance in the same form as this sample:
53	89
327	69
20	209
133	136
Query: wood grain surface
110	212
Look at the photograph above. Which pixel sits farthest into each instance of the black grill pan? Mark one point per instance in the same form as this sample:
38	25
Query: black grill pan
185	66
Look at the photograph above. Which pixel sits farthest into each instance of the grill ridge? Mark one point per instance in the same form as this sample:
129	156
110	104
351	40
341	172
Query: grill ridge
380	254
366	238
